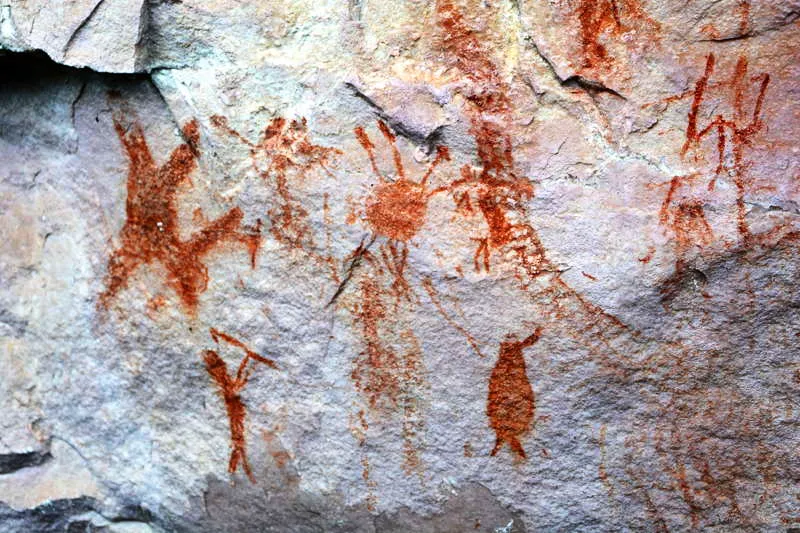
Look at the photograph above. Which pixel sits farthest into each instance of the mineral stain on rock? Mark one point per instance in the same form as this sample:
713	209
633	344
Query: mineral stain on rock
231	387
511	405
151	232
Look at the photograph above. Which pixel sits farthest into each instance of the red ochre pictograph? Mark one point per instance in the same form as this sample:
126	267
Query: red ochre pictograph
739	129
397	208
389	372
230	388
283	156
611	346
734	124
511	406
609	19
494	188
151	232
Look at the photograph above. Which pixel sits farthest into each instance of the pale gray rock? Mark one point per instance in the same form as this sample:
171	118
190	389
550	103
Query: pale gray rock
104	35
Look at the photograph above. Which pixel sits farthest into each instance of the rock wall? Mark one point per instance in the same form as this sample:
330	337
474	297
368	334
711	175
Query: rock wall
365	266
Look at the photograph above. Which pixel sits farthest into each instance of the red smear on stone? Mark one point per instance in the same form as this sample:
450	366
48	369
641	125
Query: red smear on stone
651	250
151	232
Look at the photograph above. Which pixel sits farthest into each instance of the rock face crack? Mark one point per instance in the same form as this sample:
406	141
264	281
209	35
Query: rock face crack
80	27
354	264
592	87
70	515
429	142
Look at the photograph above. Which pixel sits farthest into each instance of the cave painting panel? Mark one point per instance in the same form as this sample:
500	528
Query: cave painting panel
389	371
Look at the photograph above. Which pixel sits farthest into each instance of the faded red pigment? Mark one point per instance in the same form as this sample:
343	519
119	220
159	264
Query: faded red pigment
604	18
230	387
690	229
386	376
284	152
151	232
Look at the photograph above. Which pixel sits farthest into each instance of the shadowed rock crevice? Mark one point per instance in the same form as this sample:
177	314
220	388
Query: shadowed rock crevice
77	515
11	462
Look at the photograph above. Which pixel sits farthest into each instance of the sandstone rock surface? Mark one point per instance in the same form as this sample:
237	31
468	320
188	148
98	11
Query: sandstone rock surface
367	266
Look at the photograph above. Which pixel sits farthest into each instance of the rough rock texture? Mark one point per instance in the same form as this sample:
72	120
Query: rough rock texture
369	266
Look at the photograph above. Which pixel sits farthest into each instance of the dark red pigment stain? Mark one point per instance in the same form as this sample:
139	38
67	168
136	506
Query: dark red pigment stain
651	250
359	427
230	387
282	459
511	406
602	471
608	19
151	232
738	130
283	156
744	17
